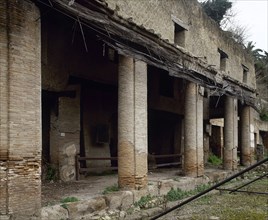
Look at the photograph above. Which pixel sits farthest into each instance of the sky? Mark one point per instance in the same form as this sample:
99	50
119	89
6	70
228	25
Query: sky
253	14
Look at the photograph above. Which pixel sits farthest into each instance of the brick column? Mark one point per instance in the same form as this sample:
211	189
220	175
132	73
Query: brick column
230	134
193	131
247	136
132	123
20	110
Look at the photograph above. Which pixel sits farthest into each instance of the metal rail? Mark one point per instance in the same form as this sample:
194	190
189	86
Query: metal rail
210	189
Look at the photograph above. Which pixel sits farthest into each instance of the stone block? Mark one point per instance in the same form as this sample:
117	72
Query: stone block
54	212
84	207
127	200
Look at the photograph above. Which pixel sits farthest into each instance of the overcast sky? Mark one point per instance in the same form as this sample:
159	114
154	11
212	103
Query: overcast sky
254	15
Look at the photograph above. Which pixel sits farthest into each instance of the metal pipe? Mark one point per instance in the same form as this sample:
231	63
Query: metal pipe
210	189
244	191
252	181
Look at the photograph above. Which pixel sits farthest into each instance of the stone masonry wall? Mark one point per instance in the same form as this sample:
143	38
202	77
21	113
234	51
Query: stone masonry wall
20	98
65	134
202	39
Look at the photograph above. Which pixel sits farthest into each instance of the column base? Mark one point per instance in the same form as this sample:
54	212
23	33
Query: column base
132	182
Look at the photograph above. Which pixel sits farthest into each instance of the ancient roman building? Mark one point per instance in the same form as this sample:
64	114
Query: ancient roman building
129	84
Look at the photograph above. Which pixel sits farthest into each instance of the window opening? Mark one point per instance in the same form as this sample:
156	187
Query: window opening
245	74
180	30
223	59
166	87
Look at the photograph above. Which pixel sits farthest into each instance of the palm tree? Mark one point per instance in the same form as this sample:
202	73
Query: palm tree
261	69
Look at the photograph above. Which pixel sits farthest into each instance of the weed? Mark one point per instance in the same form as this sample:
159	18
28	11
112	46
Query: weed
201	188
143	201
110	189
214	160
51	173
176	194
64	206
264	114
69	199
66	200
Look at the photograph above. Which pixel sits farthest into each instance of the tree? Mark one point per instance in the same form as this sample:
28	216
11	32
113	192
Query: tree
217	9
261	69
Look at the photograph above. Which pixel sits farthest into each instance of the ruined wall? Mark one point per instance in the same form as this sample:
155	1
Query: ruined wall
20	112
202	39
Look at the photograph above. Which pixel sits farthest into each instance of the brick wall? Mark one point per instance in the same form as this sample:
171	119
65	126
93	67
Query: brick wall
20	137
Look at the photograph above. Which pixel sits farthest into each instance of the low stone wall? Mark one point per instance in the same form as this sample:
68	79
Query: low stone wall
120	205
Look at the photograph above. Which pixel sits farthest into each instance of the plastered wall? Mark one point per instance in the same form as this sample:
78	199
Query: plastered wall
202	38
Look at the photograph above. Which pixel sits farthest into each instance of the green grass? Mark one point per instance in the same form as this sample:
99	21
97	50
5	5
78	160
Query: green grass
177	194
69	199
66	200
51	173
143	201
214	160
110	189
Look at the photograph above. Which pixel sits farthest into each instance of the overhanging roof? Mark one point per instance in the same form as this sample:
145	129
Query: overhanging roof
132	40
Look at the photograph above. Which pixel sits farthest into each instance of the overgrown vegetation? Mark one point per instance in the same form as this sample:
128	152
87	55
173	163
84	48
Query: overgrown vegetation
149	201
110	189
264	115
143	201
214	160
51	173
66	200
216	9
69	199
178	194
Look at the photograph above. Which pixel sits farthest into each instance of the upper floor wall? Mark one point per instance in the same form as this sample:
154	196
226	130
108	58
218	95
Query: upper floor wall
186	25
